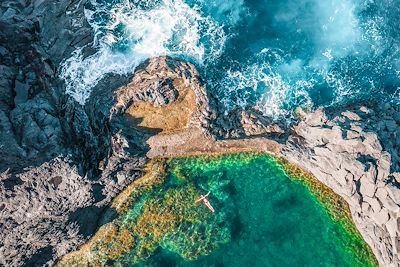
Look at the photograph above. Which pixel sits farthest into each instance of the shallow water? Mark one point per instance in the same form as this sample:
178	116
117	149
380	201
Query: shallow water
262	218
273	221
267	53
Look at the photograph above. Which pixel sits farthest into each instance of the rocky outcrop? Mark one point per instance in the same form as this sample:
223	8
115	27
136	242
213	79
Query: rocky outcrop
66	162
160	81
243	123
342	150
34	213
35	37
160	94
61	163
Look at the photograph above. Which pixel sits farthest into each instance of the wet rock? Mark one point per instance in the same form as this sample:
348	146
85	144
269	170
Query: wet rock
255	123
40	186
300	113
396	117
9	14
365	110
318	119
22	91
65	162
391	125
6	81
3	51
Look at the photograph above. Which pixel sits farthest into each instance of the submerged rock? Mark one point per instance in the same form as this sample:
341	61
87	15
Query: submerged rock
158	215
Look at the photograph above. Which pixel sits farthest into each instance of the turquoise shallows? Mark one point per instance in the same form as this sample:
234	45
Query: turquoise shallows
263	217
268	219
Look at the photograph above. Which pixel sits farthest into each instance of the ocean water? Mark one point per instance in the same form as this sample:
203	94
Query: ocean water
272	54
263	217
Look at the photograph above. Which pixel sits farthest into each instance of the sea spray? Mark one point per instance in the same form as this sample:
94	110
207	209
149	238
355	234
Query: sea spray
324	53
261	85
273	55
127	33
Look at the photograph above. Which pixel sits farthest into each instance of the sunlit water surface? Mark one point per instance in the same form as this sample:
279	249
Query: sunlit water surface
273	54
263	217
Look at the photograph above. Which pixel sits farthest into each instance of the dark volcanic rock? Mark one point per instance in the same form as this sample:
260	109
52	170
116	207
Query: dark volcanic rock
48	143
34	215
21	91
62	163
249	122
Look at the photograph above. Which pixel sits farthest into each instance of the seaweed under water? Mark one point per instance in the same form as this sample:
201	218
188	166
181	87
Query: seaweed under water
267	213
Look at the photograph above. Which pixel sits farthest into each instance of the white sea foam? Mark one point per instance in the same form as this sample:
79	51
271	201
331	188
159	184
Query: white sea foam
275	94
128	33
334	30
134	30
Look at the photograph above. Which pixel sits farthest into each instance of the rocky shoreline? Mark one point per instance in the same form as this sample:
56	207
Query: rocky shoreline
342	150
62	163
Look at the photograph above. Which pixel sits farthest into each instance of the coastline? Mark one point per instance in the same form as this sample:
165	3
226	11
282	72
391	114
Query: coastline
302	148
335	206
195	139
64	163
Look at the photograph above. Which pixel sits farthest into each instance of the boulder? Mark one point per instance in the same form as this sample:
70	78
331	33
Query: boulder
351	115
22	91
367	188
381	217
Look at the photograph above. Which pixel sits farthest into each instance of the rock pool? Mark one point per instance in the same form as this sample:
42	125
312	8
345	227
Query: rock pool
263	217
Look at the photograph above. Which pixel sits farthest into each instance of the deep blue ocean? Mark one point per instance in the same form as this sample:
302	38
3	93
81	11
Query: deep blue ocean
272	54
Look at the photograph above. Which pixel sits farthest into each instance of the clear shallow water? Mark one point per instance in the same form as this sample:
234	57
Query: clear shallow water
263	218
266	53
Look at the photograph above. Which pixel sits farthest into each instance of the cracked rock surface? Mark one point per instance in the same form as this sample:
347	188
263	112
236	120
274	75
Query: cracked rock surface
343	150
62	163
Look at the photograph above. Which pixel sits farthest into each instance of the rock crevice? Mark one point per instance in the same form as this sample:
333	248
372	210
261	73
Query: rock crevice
62	163
343	153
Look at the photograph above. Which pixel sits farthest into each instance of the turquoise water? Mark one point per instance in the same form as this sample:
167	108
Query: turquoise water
273	220
273	54
262	218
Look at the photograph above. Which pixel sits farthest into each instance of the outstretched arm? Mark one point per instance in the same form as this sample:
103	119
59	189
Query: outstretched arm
202	197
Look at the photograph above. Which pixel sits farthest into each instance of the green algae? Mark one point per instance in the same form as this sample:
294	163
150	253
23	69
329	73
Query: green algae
336	207
267	214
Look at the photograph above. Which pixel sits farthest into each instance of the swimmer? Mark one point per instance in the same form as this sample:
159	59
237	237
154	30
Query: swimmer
205	201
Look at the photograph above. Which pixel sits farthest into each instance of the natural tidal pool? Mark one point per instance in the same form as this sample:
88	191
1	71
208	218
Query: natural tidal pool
263	216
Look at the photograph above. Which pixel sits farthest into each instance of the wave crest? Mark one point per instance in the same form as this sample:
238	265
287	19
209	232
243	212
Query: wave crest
129	32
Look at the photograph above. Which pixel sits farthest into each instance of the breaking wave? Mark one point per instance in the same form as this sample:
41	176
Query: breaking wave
274	55
129	32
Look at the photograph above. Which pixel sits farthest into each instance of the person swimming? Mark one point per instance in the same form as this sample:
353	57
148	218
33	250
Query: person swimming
205	201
